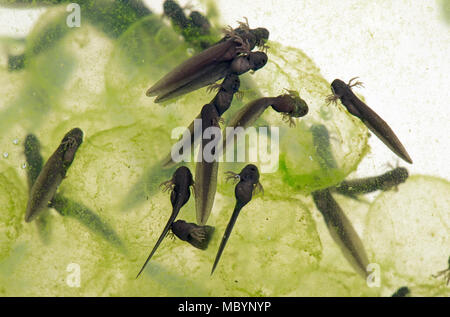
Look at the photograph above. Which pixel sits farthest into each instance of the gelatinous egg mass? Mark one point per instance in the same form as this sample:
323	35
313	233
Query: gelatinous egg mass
112	210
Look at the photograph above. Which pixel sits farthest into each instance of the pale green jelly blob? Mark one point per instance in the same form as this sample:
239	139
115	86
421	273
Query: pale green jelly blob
408	234
110	161
273	242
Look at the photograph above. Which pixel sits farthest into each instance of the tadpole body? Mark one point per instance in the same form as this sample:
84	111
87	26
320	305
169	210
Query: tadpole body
248	182
179	196
52	174
402	292
366	185
192	27
206	168
372	121
290	105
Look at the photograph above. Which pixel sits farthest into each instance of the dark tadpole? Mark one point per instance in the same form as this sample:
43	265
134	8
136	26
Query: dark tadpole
179	187
248	183
16	62
372	121
176	14
290	105
207	165
195	29
384	182
402	292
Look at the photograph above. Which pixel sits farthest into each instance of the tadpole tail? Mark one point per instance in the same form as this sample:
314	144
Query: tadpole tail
381	129
205	189
34	159
226	235
341	230
388	137
161	238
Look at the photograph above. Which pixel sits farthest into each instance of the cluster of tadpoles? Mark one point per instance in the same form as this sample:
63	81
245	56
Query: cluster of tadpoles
229	58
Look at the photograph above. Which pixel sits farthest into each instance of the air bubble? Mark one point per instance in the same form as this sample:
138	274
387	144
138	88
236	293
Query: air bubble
5	154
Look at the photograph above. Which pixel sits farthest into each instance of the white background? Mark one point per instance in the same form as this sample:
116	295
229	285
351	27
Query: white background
399	49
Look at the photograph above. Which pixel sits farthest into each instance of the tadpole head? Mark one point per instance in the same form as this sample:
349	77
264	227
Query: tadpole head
182	174
339	88
71	142
200	21
259	60
300	107
261	36
402	292
31	144
75	134
171	8
401	174
250	174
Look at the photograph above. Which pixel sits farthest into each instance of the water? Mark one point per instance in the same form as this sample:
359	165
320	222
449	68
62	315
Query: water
89	78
